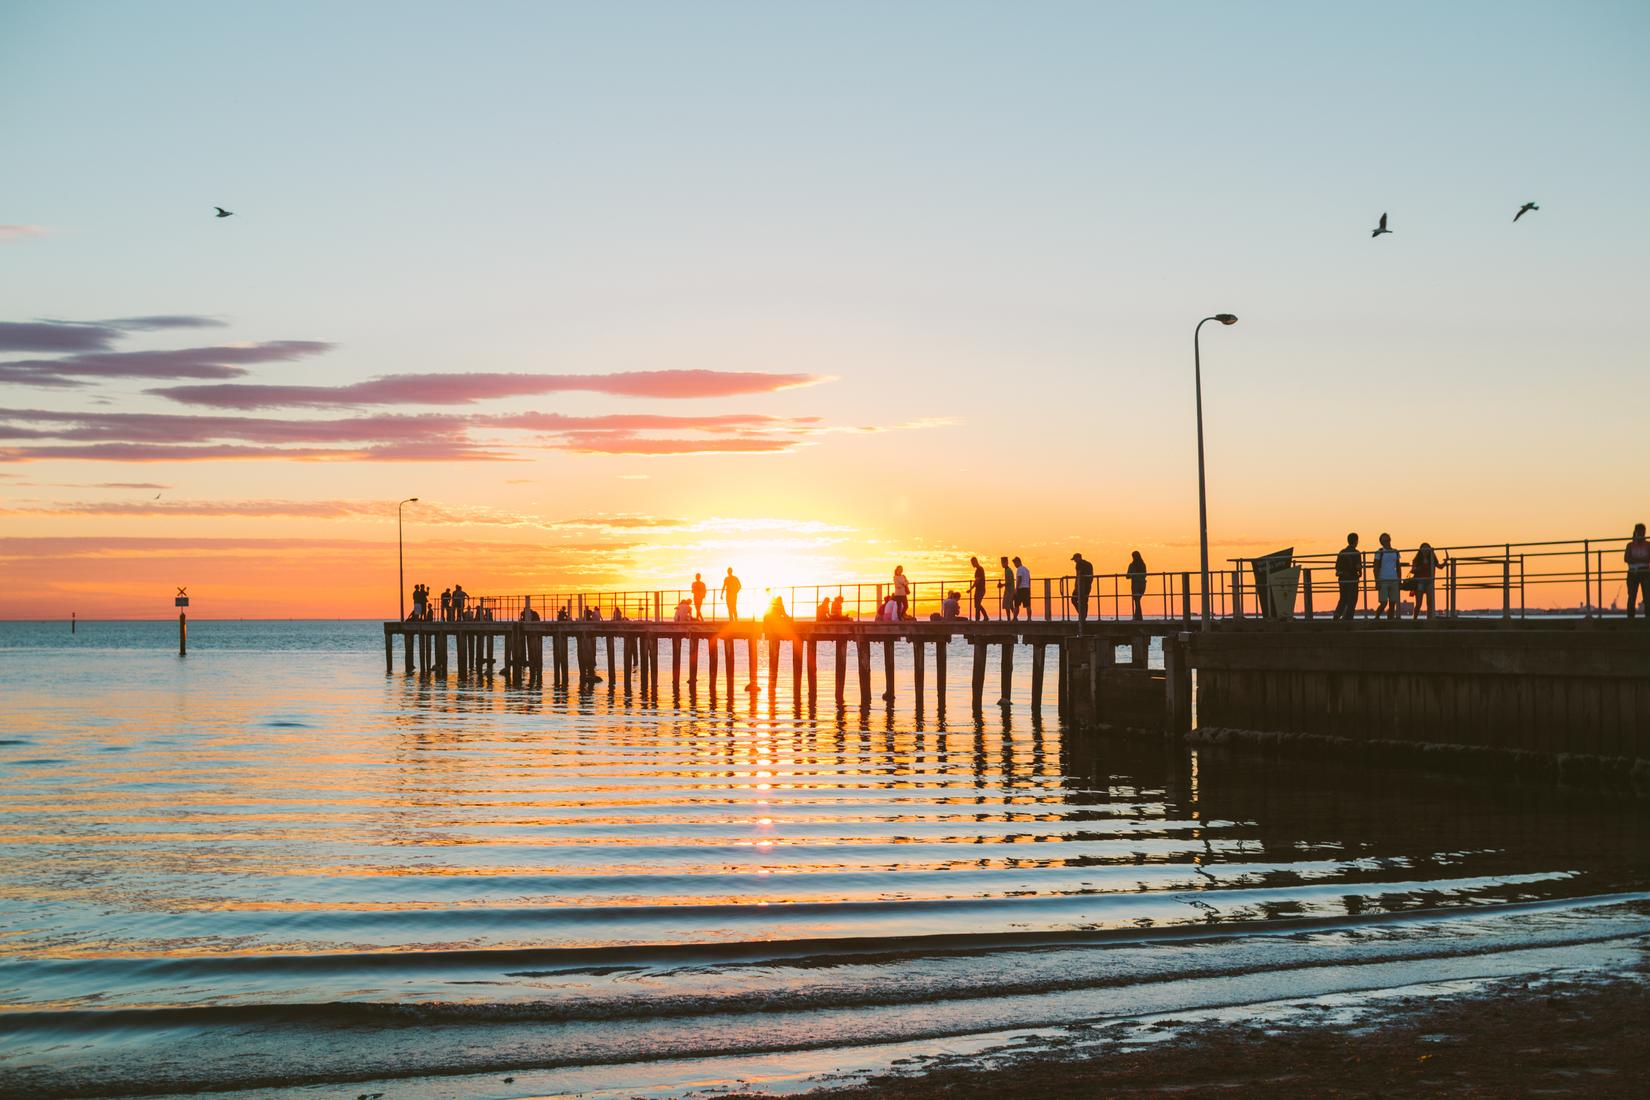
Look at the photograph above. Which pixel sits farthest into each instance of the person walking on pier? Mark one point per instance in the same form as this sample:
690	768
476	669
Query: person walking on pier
698	597
1387	567
1137	582
1022	589
1423	571
1007	584
730	592
978	591
1637	557
1080	592
1349	569
902	590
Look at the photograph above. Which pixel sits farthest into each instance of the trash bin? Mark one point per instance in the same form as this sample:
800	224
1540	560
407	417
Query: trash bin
1281	588
1263	568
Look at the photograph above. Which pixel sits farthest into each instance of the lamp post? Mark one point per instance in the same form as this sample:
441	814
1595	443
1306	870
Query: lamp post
400	559
1202	495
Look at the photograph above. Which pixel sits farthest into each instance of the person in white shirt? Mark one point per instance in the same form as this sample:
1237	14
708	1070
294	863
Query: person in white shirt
1022	588
1387	566
902	590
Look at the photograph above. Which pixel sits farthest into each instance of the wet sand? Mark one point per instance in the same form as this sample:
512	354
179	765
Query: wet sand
1559	1037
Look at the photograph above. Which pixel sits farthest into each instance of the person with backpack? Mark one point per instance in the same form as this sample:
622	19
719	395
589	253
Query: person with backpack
1387	567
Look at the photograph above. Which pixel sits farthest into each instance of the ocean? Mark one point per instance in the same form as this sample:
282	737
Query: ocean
270	867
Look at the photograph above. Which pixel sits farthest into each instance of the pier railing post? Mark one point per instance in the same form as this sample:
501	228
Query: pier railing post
1306	590
1506	584
1048	600
1185	597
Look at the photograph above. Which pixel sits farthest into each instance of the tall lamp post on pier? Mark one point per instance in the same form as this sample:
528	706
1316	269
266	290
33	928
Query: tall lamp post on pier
400	558
1202	495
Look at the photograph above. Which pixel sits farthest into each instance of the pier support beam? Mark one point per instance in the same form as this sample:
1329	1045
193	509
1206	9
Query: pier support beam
675	667
1037	657
796	670
941	648
841	672
1007	696
1177	686
919	655
888	670
693	665
862	658
979	674
813	672
750	657
727	652
710	656
773	666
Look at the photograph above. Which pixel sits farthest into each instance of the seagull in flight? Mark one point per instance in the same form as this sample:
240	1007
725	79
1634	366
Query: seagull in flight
1382	228
1525	209
157	495
222	213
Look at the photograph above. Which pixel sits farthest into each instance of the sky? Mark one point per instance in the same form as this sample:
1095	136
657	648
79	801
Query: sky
623	291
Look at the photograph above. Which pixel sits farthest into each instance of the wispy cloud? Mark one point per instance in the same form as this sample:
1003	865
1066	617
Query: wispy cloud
10	233
66	337
229	361
466	389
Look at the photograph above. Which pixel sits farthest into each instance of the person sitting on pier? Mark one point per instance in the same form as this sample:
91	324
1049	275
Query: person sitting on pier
684	611
889	611
836	609
822	613
698	597
951	606
592	614
618	614
776	612
528	615
1386	566
1022	589
1422	571
730	592
977	590
1637	557
902	590
1007	584
1349	569
565	615
1080	592
1137	582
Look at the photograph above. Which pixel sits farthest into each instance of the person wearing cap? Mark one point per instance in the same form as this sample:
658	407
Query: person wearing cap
1080	592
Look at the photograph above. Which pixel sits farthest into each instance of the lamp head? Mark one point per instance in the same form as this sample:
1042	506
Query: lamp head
1226	318
414	500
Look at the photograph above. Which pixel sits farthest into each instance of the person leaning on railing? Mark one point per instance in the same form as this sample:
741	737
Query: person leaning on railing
1423	572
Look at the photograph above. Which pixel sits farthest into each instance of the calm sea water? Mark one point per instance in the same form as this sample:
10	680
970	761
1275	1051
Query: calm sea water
259	865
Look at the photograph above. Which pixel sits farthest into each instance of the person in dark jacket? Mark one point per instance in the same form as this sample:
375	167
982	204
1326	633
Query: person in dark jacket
1349	569
1080	591
1137	582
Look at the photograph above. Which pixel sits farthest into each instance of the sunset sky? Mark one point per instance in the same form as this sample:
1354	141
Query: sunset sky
625	290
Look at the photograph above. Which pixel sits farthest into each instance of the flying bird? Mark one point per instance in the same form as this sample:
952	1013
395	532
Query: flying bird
1382	228
157	495
1525	209
222	213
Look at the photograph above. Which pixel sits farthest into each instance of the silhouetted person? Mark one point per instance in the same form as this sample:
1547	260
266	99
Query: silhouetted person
836	608
1349	567
1137	582
698	596
1008	587
1637	557
459	596
978	591
564	615
730	592
528	615
776	612
1387	566
822	613
1422	572
902	589
446	604
1080	590
684	612
1022	589
951	608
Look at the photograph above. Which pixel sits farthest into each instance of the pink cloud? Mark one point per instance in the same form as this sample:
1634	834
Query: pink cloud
207	362
465	389
9	233
622	443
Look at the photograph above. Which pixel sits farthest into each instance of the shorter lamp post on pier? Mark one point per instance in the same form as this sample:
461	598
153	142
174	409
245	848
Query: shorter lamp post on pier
1202	495
400	559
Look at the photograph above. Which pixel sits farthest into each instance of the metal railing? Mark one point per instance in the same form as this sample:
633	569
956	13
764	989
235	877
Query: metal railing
1500	580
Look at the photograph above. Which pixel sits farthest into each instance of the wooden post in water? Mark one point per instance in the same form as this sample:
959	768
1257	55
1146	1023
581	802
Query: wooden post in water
653	662
796	670
919	654
625	646
750	657
1177	684
862	658
841	671
1037	657
979	674
693	664
888	645
940	649
710	656
407	652
727	654
488	644
813	672
183	634
1062	657
579	641
612	674
1007	697
773	665
675	666
389	652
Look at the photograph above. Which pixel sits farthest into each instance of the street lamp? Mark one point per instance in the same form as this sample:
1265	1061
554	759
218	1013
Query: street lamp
1202	496
400	559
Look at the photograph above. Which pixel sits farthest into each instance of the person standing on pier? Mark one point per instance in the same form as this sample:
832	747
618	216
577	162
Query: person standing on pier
1080	593
1422	572
730	592
1387	567
1137	582
902	590
698	597
1022	589
1637	557
978	591
1349	569
446	604
459	596
1008	587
